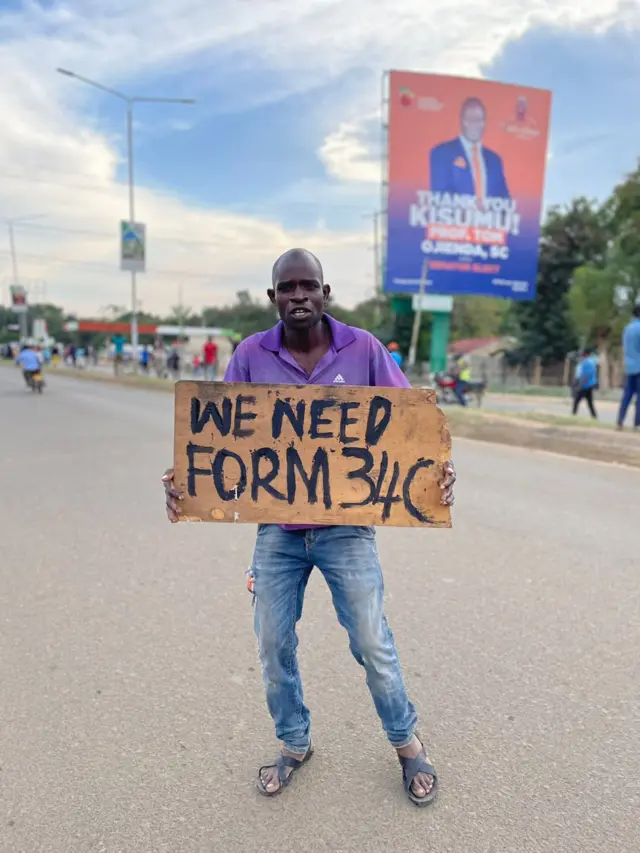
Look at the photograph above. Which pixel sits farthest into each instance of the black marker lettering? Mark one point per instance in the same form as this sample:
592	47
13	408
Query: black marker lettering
345	421
410	507
192	471
238	431
259	481
391	498
320	465
218	476
211	412
282	408
375	431
361	473
316	411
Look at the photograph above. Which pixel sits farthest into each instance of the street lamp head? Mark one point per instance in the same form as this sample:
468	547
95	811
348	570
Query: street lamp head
139	99
65	72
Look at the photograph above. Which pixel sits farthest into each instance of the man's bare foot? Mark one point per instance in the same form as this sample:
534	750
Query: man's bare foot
423	782
269	775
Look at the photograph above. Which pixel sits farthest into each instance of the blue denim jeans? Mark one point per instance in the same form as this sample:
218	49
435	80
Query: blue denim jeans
348	559
631	388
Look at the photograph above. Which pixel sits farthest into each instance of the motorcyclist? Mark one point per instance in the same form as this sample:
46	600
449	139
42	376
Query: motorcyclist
464	371
456	372
30	361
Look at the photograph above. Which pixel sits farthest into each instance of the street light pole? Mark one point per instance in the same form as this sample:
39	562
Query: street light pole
132	218
129	101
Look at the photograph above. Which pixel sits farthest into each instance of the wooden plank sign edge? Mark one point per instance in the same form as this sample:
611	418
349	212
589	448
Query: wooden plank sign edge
316	477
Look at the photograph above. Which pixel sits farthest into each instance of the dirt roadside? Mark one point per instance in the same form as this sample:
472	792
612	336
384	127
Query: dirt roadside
586	442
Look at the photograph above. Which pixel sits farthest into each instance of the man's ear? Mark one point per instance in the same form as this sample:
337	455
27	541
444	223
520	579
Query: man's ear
326	291
272	295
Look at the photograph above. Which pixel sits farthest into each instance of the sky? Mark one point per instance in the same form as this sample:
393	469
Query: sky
282	147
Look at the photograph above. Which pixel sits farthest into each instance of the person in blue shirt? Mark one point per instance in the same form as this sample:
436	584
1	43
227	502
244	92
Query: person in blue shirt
118	352
631	349
396	355
30	361
586	382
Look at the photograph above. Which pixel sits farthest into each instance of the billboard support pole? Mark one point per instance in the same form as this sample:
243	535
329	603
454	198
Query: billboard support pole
417	318
384	176
440	329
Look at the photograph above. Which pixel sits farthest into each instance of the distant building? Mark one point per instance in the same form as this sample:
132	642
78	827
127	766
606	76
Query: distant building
485	357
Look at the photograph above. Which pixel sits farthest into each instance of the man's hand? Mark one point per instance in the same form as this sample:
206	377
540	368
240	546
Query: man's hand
446	484
172	496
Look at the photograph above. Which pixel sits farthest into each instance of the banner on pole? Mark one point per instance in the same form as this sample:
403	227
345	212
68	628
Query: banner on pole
18	298
466	175
133	246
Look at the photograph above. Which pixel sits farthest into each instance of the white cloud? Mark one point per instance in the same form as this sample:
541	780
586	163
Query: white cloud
346	156
55	158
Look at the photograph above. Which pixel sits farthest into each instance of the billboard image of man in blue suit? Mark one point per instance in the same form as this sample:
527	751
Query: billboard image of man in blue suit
464	165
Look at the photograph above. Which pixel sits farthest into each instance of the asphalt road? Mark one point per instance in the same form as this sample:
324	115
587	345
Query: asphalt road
131	711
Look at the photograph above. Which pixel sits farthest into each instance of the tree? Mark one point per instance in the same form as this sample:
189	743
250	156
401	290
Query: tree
623	210
55	318
596	311
571	237
246	316
478	317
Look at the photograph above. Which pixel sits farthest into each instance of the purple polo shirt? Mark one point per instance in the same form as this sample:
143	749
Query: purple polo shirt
355	357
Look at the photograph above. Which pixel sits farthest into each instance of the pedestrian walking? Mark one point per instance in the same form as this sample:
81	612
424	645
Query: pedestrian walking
210	357
586	382
631	350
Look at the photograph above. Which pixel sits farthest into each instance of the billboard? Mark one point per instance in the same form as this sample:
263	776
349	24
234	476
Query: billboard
133	246
466	176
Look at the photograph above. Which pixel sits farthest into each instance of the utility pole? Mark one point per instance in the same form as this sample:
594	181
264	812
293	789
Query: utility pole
22	316
11	222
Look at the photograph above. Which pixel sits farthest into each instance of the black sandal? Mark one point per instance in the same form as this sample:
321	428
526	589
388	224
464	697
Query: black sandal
410	769
282	763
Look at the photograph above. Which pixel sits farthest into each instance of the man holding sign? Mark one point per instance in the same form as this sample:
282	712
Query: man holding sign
308	347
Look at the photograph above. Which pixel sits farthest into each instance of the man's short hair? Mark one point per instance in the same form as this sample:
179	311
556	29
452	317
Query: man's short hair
295	253
636	309
473	102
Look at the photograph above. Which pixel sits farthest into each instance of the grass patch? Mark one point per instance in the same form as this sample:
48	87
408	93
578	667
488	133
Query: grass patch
532	391
458	416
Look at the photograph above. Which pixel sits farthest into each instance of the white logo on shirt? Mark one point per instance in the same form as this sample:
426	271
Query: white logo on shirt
338	378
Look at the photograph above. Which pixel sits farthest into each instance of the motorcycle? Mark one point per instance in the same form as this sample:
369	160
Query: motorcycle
445	385
35	381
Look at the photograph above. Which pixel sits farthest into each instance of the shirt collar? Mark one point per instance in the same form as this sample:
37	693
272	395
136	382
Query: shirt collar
468	146
341	335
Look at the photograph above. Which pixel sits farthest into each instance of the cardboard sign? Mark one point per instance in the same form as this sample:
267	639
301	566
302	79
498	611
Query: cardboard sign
310	454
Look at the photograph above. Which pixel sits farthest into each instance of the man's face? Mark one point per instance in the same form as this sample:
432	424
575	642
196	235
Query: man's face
298	293
473	123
